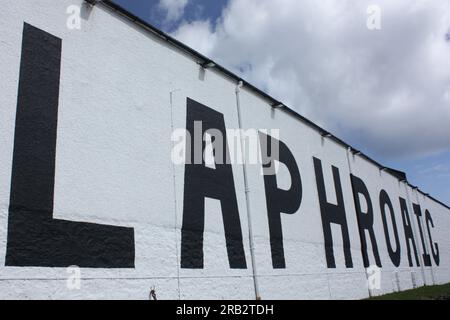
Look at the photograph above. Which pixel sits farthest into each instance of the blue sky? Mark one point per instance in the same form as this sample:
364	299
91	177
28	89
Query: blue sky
150	11
402	120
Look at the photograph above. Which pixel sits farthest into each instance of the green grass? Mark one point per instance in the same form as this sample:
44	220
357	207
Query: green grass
422	293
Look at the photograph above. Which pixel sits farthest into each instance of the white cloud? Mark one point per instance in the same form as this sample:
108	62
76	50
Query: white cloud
386	89
200	33
174	9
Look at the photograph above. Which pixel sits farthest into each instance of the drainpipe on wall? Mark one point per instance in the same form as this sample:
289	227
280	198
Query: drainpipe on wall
349	154
174	177
247	192
427	245
413	223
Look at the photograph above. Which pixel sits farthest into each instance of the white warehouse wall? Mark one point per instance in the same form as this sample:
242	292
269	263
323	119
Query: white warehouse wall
122	92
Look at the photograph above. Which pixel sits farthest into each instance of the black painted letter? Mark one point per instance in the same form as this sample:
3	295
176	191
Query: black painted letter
202	182
332	214
434	246
425	255
278	200
365	220
409	235
34	237
386	201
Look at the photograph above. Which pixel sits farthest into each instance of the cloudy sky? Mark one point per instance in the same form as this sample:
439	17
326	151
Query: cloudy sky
386	91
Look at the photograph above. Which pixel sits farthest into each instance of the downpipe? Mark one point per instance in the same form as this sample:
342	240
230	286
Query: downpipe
247	192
